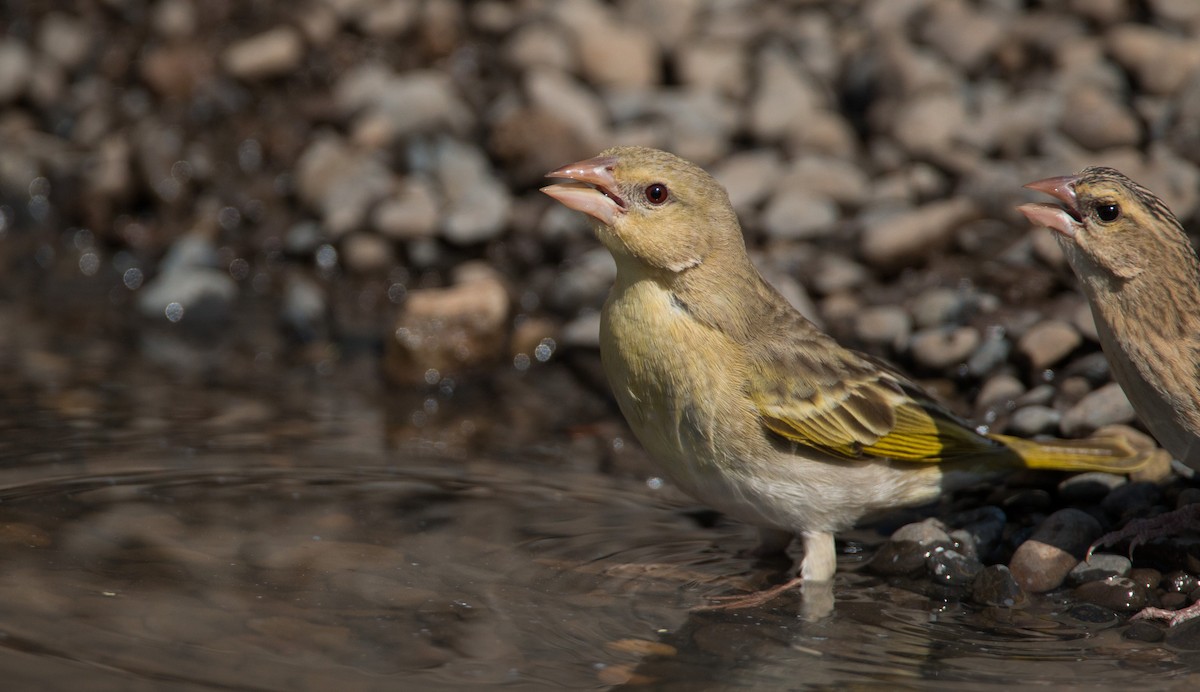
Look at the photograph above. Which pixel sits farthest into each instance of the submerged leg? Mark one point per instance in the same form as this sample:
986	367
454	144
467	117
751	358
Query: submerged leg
819	566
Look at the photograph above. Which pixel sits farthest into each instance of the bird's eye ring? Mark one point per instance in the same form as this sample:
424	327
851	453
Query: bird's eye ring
657	193
1108	212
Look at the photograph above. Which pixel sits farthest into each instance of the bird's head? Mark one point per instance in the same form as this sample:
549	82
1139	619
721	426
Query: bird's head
653	207
1108	220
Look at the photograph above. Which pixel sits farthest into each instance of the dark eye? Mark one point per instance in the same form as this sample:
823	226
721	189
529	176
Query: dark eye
657	193
1108	212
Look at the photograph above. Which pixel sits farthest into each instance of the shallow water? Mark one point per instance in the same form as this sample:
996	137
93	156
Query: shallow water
255	526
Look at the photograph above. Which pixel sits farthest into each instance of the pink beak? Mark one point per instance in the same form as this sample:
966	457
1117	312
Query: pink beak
594	191
1064	219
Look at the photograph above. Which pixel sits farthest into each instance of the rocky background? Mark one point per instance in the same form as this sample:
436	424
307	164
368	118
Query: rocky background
368	171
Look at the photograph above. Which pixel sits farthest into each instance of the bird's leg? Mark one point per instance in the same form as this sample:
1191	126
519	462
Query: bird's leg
819	565
1140	531
1173	617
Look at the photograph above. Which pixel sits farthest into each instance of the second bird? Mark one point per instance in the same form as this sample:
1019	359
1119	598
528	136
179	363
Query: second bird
744	403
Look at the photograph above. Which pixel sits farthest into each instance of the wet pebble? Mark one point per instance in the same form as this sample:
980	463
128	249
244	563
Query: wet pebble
1100	566
1142	631
1089	487
270	54
410	212
1056	546
1120	594
883	324
1131	500
1034	420
909	547
980	531
952	568
995	586
999	390
1178	581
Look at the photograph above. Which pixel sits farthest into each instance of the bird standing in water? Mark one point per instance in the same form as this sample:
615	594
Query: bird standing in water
743	402
1142	280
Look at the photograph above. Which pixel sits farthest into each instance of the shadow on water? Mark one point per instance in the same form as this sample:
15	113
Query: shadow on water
243	531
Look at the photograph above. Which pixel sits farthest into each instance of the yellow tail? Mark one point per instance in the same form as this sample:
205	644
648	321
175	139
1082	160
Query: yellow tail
1110	454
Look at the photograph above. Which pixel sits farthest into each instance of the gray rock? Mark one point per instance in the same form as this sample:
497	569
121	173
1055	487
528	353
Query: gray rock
938	306
341	182
837	179
1089	487
1097	119
189	292
749	177
929	125
901	239
1131	500
174	18
304	307
836	273
1034	420
540	44
883	324
1104	406
1048	342
477	204
999	392
784	98
570	103
714	65
1100	566
1159	61
616	54
583	282
366	253
991	355
1056	546
273	53
388	107
941	348
796	214
409	212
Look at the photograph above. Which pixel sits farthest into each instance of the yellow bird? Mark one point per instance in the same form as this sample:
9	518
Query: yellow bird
744	403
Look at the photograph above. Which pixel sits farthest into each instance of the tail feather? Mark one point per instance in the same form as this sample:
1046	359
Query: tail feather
1109	454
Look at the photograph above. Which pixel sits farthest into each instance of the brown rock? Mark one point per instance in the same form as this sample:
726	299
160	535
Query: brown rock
1059	543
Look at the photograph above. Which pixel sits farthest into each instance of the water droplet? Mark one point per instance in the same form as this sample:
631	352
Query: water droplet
396	292
249	155
39	187
181	171
618	444
432	375
654	483
521	362
431	406
39	208
89	263
174	312
133	278
239	269
544	350
327	257
83	239
229	218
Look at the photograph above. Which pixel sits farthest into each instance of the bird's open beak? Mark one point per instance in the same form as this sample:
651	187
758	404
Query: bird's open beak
1064	219
595	189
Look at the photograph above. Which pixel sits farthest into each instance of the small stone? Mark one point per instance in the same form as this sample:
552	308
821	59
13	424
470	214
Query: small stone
387	107
952	568
991	355
836	274
621	56
942	348
883	324
539	44
174	18
1028	421
477	204
999	392
749	177
901	239
1100	566
1056	546
1048	342
16	65
796	214
938	306
65	39
304	308
785	95
929	125
1160	62
995	586
714	65
367	253
1131	500
1104	406
1148	577
189	293
410	212
273	53
909	547
1142	631
1098	119
1089	487
980	532
341	182
1119	594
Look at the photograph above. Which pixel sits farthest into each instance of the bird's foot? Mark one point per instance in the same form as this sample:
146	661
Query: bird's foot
1173	617
1140	531
751	600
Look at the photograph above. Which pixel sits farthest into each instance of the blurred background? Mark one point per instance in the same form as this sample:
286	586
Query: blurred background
361	176
274	272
